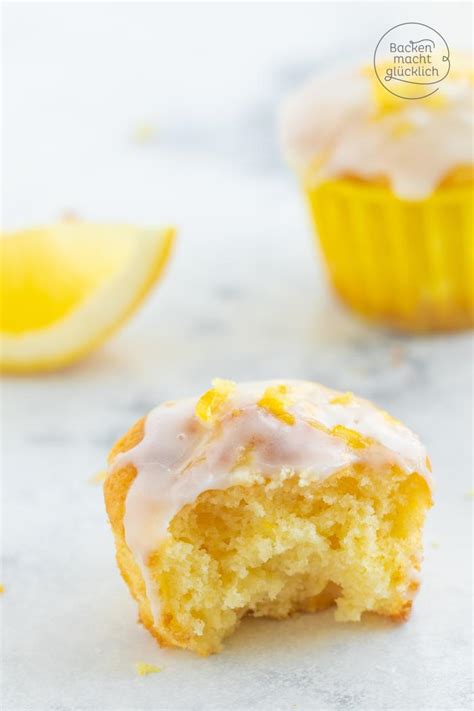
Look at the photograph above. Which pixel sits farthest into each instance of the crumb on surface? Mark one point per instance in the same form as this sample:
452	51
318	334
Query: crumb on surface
2	589
99	477
144	132
69	215
143	668
397	351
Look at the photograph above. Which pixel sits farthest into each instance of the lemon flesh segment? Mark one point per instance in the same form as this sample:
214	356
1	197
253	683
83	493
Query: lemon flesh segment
65	289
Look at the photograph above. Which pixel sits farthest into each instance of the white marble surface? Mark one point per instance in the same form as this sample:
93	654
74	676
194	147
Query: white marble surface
244	298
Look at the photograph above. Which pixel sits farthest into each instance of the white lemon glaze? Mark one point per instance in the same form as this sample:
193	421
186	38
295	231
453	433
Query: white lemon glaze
180	456
334	126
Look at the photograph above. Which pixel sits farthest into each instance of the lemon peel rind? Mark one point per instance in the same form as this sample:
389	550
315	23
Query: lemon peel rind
211	402
275	400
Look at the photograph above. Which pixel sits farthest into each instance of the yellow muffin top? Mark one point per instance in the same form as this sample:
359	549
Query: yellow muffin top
346	124
242	434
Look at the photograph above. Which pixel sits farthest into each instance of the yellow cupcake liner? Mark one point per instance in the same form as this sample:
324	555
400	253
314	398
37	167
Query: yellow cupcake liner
404	263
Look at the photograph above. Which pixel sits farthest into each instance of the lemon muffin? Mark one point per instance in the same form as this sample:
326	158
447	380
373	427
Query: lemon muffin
389	184
266	499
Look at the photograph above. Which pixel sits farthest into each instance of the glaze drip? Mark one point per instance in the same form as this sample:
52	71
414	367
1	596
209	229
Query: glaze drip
181	456
345	124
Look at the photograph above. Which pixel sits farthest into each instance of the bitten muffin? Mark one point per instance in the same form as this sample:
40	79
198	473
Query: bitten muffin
266	499
389	185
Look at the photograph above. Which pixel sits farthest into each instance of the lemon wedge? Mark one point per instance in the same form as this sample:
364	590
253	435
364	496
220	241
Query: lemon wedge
64	289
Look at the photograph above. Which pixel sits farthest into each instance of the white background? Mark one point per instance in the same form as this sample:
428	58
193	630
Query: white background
245	298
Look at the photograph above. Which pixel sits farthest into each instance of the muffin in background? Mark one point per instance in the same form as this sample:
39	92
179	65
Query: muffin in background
389	184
